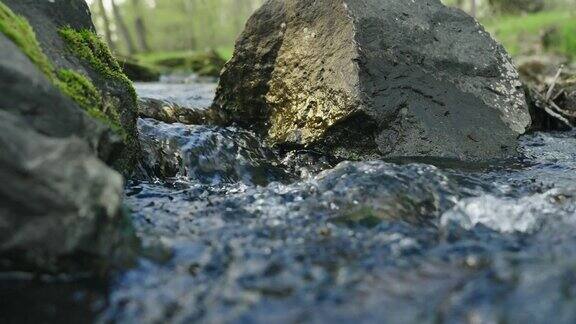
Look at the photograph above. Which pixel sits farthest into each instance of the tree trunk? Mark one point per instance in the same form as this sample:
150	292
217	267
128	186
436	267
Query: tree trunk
473	8
107	31
140	27
121	25
189	8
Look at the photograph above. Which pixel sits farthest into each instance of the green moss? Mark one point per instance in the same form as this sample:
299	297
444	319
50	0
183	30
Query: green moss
87	46
17	29
81	90
78	87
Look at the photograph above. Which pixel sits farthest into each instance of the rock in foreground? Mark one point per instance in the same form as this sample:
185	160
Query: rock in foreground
367	78
61	210
66	110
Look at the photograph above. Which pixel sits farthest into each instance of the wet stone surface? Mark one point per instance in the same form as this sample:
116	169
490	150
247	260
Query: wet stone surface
365	241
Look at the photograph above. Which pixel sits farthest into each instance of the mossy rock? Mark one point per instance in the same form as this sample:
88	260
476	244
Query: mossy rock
59	121
136	71
208	63
59	39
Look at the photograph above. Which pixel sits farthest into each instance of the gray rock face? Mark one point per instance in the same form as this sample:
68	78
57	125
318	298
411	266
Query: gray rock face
61	206
360	78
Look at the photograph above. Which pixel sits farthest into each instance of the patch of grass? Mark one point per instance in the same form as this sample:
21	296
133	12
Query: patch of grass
76	86
205	63
517	32
87	46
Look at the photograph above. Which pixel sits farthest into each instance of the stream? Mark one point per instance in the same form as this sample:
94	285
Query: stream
244	235
256	238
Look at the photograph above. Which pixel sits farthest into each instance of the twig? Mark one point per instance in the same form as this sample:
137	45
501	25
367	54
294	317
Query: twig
558	95
562	111
553	85
558	116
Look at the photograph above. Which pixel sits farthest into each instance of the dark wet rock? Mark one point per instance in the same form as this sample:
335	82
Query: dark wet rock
61	206
363	78
169	112
138	72
79	50
207	154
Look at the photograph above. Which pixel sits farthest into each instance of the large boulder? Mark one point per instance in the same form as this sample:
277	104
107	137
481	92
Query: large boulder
61	118
363	78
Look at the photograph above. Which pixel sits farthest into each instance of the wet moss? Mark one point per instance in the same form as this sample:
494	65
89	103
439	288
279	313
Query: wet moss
76	86
87	46
85	94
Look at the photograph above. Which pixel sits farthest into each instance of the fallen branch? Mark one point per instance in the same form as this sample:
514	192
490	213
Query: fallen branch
553	85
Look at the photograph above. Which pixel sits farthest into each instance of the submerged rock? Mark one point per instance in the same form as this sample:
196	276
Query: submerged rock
170	112
208	154
365	77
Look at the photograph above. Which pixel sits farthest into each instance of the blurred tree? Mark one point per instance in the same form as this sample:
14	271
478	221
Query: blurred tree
516	6
106	25
121	26
140	27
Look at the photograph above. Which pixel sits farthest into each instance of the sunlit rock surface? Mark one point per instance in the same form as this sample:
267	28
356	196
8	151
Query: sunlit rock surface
369	77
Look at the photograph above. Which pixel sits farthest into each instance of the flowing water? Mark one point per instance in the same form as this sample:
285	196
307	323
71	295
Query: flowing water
259	238
243	235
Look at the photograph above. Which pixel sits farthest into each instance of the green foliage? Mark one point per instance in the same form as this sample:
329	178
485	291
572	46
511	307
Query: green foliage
516	6
517	32
74	85
181	25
